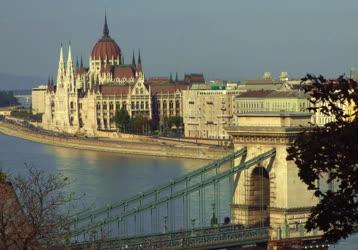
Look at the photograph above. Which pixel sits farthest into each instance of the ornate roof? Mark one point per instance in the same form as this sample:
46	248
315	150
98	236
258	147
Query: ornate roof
106	47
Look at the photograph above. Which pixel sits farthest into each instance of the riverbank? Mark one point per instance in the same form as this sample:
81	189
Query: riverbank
122	147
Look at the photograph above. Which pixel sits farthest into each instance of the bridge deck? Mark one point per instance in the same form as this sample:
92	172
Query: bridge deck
204	238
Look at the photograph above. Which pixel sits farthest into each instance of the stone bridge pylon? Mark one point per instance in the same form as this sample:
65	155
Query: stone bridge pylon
271	192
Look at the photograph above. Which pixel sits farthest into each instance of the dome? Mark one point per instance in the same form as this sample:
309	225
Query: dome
106	47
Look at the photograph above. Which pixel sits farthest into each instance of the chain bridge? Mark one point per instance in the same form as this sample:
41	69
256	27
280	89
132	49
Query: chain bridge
266	200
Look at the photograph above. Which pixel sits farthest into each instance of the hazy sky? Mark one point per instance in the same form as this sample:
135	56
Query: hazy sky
227	39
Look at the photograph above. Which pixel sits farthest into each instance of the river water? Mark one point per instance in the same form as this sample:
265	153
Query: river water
102	177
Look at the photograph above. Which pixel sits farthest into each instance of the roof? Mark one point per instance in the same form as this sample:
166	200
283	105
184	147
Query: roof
171	88
157	80
81	71
123	71
260	82
112	89
191	78
106	47
273	94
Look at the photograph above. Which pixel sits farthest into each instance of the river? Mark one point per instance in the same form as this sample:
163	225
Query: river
102	177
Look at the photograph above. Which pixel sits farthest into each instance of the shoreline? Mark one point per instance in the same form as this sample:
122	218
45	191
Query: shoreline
122	147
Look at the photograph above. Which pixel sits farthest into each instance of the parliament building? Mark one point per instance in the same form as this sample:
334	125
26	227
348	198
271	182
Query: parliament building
85	99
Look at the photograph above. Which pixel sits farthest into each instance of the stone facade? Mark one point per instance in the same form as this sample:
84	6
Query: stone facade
284	99
38	99
85	100
207	109
271	191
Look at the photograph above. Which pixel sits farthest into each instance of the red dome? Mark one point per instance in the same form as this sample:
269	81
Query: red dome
106	48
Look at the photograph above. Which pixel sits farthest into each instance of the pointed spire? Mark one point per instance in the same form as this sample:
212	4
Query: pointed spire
139	58
69	68
81	63
133	59
105	27
176	77
61	68
49	80
77	62
171	78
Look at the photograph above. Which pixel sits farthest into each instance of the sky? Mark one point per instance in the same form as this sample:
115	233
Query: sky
224	39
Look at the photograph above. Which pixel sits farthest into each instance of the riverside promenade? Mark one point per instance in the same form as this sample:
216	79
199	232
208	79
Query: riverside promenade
140	146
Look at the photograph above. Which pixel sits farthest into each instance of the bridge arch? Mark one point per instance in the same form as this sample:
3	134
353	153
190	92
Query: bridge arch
258	196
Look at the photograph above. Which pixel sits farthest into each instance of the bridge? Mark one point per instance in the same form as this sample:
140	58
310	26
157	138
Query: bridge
266	200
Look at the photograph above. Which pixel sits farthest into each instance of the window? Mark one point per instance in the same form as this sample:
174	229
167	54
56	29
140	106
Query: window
104	106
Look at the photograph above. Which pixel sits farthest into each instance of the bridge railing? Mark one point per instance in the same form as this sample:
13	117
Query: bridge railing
87	229
223	236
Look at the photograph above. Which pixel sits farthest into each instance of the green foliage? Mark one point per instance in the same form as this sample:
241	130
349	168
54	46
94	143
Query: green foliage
7	98
331	152
139	124
170	123
122	120
26	115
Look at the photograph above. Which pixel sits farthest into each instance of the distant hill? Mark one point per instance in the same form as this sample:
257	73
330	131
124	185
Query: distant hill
14	82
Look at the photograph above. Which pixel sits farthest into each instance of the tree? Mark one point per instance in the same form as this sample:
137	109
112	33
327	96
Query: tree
139	124
330	154
171	121
122	119
33	210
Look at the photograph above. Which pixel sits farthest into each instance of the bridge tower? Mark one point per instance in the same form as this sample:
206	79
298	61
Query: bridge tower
270	193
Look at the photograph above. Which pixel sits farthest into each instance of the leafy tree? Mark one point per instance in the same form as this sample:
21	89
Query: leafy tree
139	124
330	154
122	119
171	121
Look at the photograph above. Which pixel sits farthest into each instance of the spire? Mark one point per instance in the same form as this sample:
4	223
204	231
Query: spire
133	59
77	62
139	59
61	68
49	80
105	27
171	78
176	77
81	63
69	68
